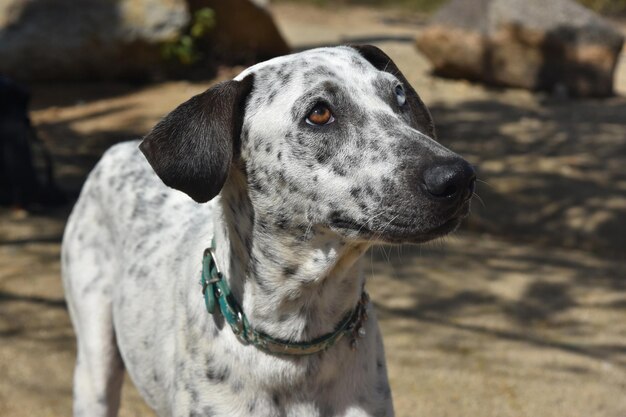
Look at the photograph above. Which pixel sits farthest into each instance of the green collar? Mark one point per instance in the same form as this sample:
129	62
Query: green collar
214	287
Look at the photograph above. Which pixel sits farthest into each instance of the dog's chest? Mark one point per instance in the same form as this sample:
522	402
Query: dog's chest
225	378
210	373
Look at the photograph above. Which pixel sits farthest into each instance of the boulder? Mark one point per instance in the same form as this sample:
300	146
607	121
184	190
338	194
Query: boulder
555	45
123	39
244	30
86	39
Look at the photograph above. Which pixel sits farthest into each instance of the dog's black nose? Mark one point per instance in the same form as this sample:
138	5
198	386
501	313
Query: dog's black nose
450	180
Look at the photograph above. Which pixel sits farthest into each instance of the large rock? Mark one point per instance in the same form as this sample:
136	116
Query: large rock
534	44
244	30
86	39
108	39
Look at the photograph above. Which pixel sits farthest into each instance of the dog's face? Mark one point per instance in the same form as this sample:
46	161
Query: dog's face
333	139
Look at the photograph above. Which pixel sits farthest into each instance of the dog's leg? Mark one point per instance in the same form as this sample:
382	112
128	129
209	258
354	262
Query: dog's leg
88	273
99	369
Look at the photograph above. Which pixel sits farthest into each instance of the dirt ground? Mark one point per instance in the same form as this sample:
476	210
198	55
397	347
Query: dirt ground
522	313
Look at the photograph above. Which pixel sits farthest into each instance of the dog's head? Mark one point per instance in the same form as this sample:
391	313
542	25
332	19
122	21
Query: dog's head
332	138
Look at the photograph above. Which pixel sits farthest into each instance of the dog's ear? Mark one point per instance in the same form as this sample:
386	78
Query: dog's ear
192	148
422	118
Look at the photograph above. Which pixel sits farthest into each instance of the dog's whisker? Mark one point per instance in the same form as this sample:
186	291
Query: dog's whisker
484	182
386	65
369	220
479	199
382	233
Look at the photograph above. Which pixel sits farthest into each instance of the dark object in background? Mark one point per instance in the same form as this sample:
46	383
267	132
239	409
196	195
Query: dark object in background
22	182
244	31
555	45
53	40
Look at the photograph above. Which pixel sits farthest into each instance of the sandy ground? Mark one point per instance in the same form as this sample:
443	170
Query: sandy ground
522	313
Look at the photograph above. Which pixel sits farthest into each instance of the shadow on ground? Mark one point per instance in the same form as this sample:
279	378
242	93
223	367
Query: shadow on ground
553	172
531	292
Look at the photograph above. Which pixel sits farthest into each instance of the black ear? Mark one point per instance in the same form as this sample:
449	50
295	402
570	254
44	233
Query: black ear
420	114
192	148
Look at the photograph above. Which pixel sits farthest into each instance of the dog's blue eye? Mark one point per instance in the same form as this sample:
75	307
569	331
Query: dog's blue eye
400	96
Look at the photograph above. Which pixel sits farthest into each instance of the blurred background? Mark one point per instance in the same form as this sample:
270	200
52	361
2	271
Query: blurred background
520	313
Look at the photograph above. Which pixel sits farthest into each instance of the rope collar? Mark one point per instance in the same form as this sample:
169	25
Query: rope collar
217	293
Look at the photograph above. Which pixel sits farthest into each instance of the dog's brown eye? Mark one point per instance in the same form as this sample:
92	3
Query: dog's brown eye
320	115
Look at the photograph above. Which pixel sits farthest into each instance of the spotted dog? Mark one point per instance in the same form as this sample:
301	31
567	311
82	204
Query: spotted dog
305	161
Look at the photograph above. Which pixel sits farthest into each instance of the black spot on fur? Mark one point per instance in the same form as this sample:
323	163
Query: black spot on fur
256	185
251	405
321	71
387	185
271	97
357	62
290	270
282	222
207	411
323	154
339	169
237	386
216	372
193	393
276	399
352	161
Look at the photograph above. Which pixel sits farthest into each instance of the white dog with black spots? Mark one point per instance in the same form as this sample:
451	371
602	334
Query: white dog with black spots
294	168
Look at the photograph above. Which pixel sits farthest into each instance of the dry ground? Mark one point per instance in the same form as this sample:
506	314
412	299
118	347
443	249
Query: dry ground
521	314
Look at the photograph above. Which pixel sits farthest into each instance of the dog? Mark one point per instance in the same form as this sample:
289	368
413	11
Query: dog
306	161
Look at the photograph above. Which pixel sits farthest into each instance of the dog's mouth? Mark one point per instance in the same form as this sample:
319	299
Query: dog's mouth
395	231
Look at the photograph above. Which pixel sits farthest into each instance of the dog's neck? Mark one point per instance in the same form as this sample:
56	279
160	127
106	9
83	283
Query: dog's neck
291	287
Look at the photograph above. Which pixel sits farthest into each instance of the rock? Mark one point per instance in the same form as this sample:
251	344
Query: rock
89	39
244	30
554	45
113	39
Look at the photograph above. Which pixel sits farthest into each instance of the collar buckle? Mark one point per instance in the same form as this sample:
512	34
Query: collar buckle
210	280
